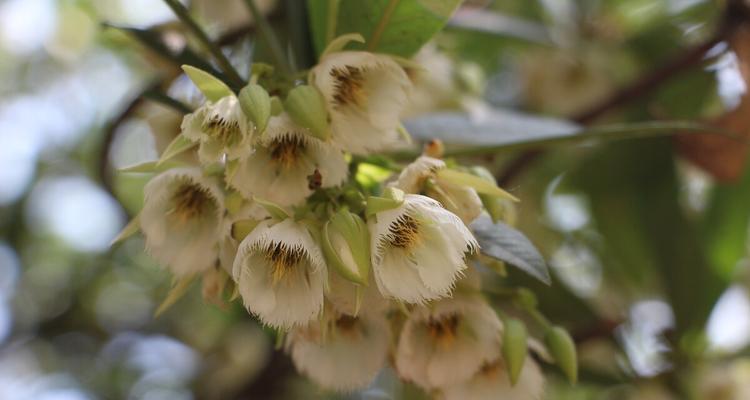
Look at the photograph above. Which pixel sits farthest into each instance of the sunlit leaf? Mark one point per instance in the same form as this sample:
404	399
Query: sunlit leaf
211	87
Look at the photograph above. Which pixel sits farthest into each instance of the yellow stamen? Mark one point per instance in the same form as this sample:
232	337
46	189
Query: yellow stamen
283	260
190	200
443	330
225	131
287	150
404	233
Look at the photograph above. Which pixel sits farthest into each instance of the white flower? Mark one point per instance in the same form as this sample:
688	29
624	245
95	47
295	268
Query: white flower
182	220
281	273
418	249
420	177
220	128
347	356
448	342
364	94
492	382
283	163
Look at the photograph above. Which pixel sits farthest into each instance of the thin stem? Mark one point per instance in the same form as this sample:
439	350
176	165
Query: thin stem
184	16
332	18
267	34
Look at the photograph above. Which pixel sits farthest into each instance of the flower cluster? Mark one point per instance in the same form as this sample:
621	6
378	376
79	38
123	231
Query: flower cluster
276	202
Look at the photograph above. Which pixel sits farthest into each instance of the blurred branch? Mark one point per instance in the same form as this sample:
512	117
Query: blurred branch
215	50
269	37
735	15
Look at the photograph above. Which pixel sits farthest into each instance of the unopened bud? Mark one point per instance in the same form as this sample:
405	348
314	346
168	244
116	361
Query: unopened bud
514	347
563	351
256	104
307	108
346	245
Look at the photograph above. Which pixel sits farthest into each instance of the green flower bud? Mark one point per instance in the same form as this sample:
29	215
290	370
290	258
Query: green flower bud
392	198
256	104
514	347
346	246
563	351
307	108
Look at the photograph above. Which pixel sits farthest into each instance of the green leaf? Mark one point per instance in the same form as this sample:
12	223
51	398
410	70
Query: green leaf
211	87
150	167
648	241
504	243
725	225
179	145
398	27
502	130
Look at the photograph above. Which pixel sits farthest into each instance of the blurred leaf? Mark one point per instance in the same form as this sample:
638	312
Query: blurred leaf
179	145
725	225
721	157
129	230
500	24
398	27
504	243
178	290
504	130
633	192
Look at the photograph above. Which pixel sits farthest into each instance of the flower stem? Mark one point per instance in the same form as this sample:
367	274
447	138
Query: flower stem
184	16
267	34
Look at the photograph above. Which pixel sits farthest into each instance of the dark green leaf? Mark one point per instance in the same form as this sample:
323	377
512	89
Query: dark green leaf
506	244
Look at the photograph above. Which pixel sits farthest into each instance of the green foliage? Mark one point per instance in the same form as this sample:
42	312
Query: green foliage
398	27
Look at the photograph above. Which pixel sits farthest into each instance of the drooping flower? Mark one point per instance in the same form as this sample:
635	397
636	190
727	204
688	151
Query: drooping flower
281	273
286	165
492	382
182	220
448	342
421	177
364	94
418	249
221	128
347	356
343	296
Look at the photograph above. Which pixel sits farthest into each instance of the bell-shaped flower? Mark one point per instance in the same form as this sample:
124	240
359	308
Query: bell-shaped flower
347	356
448	342
418	249
421	176
287	165
350	298
182	220
220	128
364	95
281	274
493	382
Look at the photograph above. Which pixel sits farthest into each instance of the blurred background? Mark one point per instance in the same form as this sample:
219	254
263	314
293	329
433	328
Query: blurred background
647	238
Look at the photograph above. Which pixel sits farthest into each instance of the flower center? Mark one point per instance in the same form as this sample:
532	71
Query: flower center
287	150
404	233
443	330
190	200
223	130
283	260
348	85
348	326
490	369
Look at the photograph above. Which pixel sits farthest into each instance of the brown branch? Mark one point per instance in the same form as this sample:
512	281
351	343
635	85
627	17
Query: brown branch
736	14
